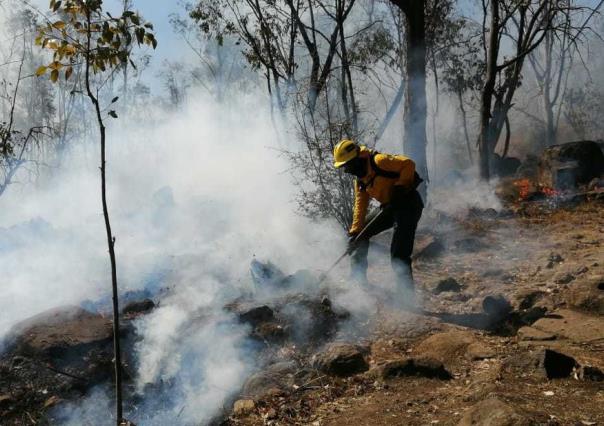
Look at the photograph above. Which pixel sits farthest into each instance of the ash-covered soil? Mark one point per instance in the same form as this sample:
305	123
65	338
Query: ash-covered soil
538	360
510	332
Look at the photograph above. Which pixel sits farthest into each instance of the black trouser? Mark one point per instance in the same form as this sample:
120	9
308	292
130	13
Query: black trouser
404	220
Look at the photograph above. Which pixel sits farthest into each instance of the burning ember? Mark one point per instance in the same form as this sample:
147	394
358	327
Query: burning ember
524	186
528	191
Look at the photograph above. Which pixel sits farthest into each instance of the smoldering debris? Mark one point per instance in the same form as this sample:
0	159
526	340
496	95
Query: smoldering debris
170	347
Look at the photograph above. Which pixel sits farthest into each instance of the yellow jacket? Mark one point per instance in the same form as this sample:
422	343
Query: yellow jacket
379	187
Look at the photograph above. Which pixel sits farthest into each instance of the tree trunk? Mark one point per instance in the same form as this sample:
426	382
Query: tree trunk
465	125
415	96
486	133
550	130
415	102
548	107
110	241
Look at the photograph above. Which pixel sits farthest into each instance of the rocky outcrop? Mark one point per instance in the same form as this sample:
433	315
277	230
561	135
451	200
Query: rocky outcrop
55	332
571	164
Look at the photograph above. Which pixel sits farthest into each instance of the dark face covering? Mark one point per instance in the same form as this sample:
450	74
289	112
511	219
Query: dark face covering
356	167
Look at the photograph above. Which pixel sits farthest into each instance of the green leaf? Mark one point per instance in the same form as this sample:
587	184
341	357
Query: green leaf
54	76
113	114
135	20
114	100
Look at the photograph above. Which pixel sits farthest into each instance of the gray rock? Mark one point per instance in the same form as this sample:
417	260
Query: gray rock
256	315
424	367
492	412
448	284
447	347
530	333
477	351
277	376
61	331
588	372
429	248
341	359
587	295
496	305
543	363
529	299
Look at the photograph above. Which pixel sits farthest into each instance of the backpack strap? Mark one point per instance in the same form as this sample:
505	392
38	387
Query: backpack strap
379	171
417	180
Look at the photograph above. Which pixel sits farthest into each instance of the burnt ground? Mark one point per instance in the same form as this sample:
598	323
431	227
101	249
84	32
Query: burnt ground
539	360
511	332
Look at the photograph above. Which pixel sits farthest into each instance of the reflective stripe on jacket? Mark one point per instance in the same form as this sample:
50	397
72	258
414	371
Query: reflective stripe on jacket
379	187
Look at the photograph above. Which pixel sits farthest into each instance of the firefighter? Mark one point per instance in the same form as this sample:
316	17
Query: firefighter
392	181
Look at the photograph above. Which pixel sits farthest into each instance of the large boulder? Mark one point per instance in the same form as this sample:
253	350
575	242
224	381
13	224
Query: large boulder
60	331
55	356
571	164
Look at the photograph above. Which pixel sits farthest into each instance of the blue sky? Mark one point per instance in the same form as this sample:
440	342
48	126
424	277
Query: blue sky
155	11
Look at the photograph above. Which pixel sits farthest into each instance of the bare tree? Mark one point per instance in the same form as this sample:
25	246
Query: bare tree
525	25
14	144
553	61
27	108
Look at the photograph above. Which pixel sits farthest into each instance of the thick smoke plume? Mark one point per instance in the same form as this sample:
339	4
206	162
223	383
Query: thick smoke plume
193	200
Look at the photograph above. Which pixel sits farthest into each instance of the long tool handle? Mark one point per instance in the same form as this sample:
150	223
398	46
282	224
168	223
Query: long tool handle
359	237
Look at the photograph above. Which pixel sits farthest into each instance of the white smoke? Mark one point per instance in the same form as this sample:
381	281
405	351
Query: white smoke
192	199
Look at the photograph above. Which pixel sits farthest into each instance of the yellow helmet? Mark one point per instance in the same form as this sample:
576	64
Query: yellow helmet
345	151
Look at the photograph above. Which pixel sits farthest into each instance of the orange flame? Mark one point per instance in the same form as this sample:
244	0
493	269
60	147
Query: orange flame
523	186
526	189
549	192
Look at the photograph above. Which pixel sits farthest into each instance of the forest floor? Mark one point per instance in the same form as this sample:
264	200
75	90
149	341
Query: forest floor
541	364
510	332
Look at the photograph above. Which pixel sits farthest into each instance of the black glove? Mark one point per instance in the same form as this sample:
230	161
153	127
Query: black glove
352	243
397	196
